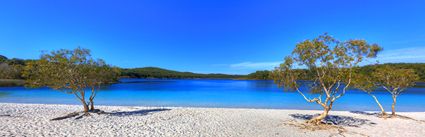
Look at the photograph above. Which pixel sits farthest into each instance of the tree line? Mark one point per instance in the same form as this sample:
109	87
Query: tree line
154	72
12	69
419	69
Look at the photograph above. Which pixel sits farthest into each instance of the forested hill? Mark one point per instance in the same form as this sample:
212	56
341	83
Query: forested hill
154	72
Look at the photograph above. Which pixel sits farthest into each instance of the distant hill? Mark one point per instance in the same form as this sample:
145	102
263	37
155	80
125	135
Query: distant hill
3	58
155	72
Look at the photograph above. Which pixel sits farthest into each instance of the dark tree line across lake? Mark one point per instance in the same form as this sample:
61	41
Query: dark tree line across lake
419	69
11	72
154	72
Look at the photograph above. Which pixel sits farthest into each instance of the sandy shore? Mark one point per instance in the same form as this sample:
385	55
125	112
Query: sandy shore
34	120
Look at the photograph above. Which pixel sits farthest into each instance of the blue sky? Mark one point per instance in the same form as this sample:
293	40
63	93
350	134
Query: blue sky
207	36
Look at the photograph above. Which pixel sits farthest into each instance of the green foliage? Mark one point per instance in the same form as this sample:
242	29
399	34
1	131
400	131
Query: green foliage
364	81
8	71
11	68
62	69
260	75
3	58
329	64
419	68
153	72
389	76
71	71
393	79
16	61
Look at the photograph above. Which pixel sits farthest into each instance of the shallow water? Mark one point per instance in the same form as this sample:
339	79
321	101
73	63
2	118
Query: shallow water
211	93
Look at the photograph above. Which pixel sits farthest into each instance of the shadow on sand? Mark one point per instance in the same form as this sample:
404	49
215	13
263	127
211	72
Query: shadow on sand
137	112
366	113
336	120
80	115
387	116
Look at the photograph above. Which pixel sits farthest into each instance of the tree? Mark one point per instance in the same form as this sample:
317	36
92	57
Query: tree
329	62
395	81
367	83
70	71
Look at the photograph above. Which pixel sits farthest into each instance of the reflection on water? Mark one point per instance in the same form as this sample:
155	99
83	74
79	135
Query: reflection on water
3	94
211	93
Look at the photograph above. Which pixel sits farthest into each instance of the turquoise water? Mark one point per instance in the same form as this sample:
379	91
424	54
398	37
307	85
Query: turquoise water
211	93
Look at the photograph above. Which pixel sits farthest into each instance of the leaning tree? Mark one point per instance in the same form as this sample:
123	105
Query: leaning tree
70	71
367	83
395	81
328	64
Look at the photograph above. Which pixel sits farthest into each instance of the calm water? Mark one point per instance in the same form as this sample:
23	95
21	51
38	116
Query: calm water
211	93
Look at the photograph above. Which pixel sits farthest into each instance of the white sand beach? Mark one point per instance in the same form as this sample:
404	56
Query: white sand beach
34	120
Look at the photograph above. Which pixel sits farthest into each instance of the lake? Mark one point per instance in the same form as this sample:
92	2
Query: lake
211	93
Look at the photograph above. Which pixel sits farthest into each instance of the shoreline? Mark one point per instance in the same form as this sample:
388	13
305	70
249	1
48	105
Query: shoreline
212	107
34	120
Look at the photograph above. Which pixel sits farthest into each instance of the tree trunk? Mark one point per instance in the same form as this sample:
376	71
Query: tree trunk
83	101
317	120
379	104
91	98
393	106
91	104
86	107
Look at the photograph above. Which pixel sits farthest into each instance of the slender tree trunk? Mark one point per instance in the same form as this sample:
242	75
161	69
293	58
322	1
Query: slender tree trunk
83	101
379	104
91	104
91	99
317	120
86	107
393	105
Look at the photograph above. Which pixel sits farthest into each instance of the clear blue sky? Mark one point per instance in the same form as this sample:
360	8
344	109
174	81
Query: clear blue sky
207	36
